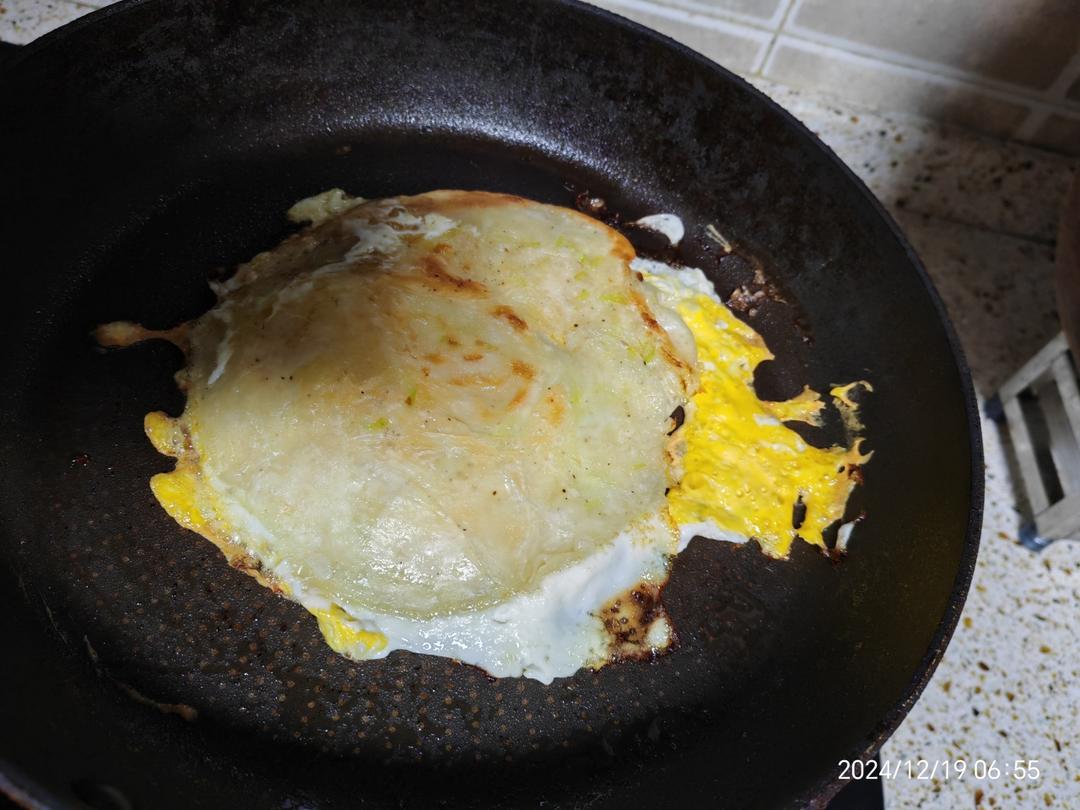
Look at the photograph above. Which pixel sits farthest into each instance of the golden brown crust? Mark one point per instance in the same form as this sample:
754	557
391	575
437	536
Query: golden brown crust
511	317
442	280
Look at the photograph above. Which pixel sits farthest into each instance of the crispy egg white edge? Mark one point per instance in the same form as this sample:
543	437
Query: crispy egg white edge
548	633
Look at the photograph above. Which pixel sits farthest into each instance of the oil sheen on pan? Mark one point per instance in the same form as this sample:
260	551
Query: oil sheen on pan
446	424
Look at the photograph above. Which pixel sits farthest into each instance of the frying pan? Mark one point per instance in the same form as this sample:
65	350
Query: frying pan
151	144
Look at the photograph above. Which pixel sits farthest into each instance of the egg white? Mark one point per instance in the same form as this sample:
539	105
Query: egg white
548	633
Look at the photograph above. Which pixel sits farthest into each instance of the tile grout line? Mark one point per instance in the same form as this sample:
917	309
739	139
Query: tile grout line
831	51
696	6
1033	121
938	69
87	6
1069	74
1051	100
696	19
770	50
692	12
897	213
837	104
777	18
1028	128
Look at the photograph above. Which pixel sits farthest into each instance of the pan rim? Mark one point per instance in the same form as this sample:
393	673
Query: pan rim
27	790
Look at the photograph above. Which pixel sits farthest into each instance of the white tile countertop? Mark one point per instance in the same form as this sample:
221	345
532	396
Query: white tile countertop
982	214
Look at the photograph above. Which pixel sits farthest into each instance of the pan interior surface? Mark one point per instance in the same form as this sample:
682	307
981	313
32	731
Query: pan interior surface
156	143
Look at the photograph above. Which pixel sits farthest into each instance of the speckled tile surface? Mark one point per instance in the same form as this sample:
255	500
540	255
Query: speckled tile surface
912	164
1008	687
22	21
997	289
982	215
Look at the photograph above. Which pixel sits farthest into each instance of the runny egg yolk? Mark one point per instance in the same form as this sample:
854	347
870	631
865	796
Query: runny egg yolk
744	471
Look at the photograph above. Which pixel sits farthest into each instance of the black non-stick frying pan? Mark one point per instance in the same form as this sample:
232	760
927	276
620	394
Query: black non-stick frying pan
149	145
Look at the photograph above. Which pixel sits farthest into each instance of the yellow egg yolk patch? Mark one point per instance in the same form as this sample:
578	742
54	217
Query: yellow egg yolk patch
181	491
743	470
344	636
849	408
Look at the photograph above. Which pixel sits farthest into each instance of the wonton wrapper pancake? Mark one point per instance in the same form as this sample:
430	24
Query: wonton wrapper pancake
427	404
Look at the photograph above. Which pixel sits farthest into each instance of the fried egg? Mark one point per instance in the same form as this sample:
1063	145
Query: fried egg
444	424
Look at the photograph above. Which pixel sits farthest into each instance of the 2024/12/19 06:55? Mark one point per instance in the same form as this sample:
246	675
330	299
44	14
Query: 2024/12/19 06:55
923	769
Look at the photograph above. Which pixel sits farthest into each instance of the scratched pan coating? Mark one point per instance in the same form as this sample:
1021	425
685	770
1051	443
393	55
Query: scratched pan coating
154	143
